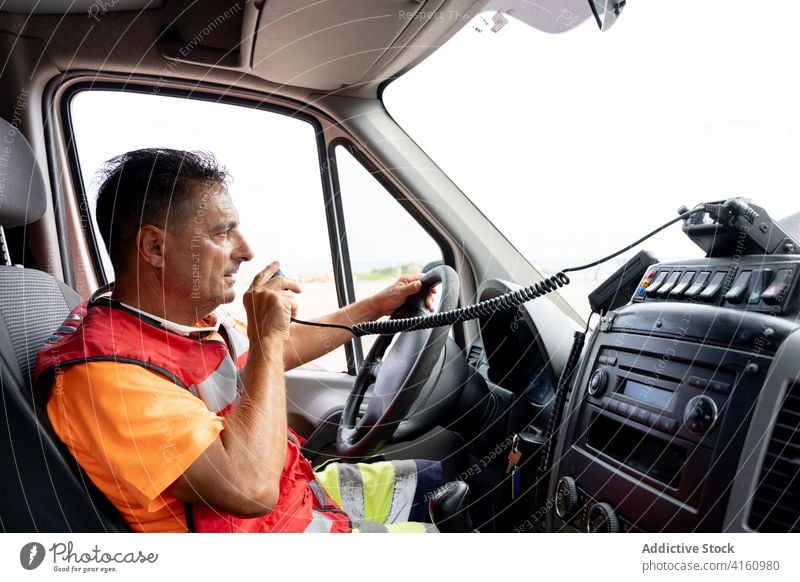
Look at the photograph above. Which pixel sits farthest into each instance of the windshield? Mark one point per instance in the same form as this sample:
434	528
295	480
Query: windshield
576	144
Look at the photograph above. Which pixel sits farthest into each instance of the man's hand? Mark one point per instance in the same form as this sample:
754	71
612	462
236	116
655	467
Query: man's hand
270	305
240	472
386	301
306	343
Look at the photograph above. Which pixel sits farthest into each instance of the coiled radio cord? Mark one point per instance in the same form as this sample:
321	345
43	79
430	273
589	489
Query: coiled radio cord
481	309
488	306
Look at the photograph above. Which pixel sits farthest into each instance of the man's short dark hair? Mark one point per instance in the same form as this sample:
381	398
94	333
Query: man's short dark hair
149	186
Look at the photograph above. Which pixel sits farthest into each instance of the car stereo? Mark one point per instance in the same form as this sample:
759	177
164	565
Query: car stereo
663	402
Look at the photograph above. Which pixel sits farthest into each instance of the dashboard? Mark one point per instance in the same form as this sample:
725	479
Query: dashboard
682	414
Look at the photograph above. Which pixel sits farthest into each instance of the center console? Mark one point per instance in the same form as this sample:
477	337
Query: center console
660	420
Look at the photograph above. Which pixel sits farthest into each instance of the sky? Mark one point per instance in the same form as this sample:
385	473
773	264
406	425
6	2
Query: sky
605	135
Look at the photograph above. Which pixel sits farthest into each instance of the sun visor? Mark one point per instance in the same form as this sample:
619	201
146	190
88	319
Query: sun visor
552	16
328	45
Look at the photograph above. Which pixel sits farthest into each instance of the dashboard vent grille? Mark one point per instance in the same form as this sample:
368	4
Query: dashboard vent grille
476	357
776	505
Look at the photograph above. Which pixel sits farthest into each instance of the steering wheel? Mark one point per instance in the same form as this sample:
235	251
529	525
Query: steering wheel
406	376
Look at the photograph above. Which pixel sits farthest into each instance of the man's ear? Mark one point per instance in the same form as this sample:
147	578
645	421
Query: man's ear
150	245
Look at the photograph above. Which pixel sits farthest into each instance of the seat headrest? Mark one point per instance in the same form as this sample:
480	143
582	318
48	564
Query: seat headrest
22	190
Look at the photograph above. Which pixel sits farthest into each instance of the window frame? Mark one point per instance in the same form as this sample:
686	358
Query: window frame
448	257
146	89
392	190
331	190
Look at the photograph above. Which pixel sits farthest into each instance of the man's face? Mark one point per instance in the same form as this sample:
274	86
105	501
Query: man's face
204	250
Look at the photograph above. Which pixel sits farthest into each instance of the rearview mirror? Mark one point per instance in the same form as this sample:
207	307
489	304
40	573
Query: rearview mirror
606	12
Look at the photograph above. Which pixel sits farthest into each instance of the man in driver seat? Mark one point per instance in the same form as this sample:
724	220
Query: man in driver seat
176	412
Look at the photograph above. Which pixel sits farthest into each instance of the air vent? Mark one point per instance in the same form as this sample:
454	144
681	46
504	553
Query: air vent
776	505
477	358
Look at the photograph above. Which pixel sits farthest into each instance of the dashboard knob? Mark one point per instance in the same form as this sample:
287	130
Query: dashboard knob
602	519
597	383
700	414
566	498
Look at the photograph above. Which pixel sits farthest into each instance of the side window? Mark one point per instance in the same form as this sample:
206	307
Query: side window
274	163
383	239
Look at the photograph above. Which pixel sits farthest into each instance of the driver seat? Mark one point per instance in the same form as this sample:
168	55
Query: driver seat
44	489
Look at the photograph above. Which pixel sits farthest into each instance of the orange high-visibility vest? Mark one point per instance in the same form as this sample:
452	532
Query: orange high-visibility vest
104	330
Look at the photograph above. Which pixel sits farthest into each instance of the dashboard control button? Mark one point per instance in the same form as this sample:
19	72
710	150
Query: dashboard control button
670	283
642	416
651	290
597	383
652	419
607	360
668	425
698	382
776	292
566	498
721	387
760	280
682	285
641	290
736	294
698	284
700	415
711	292
622	408
602	519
